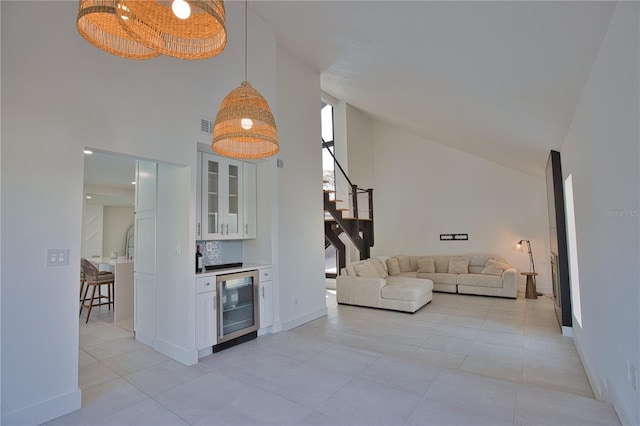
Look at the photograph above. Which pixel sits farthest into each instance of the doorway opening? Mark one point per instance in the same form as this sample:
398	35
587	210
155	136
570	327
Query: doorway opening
116	342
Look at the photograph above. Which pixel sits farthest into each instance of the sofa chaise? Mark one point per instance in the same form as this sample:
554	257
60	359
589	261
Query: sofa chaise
368	284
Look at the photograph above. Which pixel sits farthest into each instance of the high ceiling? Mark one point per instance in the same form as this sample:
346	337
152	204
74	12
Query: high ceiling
500	80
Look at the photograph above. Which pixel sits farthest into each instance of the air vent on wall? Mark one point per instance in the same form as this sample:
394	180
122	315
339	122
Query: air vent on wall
206	126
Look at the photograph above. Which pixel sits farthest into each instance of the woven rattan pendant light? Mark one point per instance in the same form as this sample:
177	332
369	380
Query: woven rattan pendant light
154	24
244	126
143	29
98	23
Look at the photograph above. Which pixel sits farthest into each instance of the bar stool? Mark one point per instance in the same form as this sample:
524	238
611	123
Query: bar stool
82	283
95	279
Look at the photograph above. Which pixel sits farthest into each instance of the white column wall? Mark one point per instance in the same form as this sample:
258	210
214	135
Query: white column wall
424	189
360	148
300	210
60	94
601	154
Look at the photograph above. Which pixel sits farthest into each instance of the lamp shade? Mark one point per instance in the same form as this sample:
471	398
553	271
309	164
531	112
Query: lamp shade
98	23
244	126
154	24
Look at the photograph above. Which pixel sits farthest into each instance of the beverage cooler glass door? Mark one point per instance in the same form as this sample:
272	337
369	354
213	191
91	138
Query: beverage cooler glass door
238	304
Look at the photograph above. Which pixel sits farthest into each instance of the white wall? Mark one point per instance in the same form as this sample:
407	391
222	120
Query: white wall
601	154
300	210
424	189
116	221
59	94
359	164
360	148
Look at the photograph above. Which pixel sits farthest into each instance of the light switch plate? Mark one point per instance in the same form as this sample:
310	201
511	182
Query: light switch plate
57	257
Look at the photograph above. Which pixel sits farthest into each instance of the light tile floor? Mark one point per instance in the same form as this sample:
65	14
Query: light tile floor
461	360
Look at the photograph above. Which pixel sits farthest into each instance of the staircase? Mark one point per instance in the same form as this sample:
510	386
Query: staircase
358	229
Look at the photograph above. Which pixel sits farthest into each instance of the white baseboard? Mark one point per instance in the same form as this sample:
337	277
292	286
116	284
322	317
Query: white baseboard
263	331
288	325
46	410
143	338
205	352
604	391
180	354
618	405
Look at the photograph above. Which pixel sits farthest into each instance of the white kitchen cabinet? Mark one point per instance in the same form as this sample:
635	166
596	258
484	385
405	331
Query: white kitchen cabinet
265	292
222	194
207	325
249	200
199	198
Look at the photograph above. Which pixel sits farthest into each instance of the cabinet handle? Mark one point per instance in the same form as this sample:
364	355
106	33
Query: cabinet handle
227	229
263	292
214	303
246	229
198	231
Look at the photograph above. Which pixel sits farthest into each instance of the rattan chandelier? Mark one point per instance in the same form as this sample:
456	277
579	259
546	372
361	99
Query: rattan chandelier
244	126
144	29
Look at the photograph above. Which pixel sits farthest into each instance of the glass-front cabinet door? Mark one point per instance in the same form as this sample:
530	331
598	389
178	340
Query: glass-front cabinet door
212	225
221	200
234	174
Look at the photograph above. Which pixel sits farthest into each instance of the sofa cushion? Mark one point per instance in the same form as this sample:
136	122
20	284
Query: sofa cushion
459	265
442	264
380	267
426	265
474	269
405	289
494	268
479	280
480	259
392	265
366	270
404	263
439	278
408	275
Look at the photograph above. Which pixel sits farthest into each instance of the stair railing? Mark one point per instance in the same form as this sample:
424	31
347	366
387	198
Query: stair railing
355	191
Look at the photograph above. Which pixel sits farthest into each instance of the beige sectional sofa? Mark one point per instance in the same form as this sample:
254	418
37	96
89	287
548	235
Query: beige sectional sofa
371	282
367	283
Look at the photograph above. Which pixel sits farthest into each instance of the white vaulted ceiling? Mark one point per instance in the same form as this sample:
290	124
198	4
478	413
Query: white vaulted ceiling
500	80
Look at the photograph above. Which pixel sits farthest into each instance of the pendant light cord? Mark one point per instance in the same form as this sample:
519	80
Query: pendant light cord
245	39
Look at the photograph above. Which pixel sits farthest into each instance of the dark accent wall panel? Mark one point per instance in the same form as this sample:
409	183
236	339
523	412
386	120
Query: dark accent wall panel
558	239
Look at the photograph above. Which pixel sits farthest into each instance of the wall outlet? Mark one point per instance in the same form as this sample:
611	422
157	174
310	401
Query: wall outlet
209	246
633	375
178	249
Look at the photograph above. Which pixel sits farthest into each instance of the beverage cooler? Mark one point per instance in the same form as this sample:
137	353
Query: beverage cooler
237	305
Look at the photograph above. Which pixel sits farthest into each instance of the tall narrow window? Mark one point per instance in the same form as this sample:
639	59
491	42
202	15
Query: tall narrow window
328	180
328	165
573	250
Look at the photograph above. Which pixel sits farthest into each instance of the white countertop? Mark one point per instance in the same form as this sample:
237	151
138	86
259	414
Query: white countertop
243	268
110	261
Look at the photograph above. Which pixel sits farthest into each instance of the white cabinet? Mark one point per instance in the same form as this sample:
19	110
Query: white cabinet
265	294
226	199
221	198
199	198
249	200
207	326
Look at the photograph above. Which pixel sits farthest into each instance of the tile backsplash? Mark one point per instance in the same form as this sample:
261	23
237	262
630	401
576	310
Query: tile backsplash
229	251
